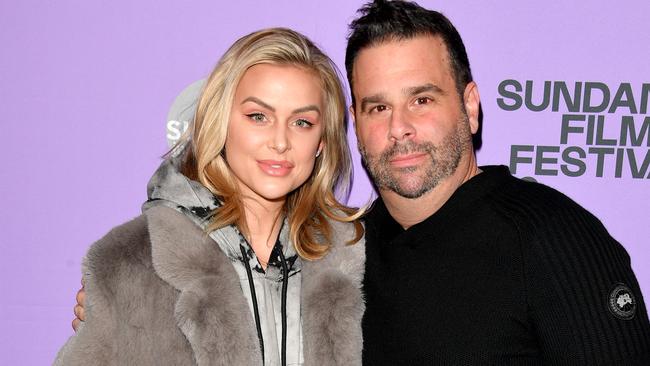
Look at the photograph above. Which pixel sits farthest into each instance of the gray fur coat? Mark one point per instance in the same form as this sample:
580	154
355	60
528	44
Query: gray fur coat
159	292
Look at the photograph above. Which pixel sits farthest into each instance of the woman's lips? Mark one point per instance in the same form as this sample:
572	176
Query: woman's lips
275	168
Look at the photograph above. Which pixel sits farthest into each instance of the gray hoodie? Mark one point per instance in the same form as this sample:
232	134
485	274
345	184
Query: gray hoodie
169	187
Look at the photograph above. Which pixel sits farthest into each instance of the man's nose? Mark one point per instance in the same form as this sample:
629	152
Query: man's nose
400	127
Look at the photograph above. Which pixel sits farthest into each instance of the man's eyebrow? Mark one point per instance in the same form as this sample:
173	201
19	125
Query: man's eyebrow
377	98
428	87
258	101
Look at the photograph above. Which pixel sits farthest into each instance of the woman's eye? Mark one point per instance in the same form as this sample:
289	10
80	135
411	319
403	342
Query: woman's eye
256	117
303	123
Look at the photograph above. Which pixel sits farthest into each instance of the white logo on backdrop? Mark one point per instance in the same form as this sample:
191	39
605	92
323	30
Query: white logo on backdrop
182	111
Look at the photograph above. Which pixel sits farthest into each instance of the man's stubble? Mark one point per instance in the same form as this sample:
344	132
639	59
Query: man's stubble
413	182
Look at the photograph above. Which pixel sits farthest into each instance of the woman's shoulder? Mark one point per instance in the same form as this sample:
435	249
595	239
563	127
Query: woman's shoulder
123	246
127	253
345	254
343	233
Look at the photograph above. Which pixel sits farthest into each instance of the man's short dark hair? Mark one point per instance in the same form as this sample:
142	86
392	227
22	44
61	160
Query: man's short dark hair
383	20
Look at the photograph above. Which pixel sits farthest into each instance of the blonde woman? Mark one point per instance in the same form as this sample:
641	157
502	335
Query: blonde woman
243	255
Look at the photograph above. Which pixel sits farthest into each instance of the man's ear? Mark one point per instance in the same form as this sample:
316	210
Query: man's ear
352	116
472	102
354	123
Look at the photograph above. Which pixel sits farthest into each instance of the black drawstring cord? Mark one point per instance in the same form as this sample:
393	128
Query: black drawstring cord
285	283
258	325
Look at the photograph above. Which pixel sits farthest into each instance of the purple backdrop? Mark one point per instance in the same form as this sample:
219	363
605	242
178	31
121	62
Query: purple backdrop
86	86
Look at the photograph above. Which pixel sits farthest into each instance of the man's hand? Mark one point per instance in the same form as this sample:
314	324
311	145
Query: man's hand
79	308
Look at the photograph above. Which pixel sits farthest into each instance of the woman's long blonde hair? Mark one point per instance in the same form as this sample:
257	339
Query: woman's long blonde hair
309	207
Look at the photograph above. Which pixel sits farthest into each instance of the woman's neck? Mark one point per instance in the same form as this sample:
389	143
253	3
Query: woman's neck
263	224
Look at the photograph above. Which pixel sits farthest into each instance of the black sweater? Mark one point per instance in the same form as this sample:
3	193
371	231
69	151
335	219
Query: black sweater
507	272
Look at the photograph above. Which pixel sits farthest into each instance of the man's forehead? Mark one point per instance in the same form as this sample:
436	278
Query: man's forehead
413	57
431	43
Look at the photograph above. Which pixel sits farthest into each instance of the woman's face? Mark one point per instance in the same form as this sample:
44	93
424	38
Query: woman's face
275	129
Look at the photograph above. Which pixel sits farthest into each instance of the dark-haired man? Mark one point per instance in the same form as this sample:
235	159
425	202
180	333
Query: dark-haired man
469	265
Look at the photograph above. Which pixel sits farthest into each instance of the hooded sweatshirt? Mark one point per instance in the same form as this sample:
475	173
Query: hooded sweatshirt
170	188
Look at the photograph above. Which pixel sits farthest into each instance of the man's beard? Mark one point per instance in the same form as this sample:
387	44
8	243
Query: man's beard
417	180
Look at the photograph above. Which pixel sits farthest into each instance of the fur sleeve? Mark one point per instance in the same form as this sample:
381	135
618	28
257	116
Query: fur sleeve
94	343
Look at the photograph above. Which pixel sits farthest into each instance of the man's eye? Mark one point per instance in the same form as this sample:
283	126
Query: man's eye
256	117
378	108
422	100
303	123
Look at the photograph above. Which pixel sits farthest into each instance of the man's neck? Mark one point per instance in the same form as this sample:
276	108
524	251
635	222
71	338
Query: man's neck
410	211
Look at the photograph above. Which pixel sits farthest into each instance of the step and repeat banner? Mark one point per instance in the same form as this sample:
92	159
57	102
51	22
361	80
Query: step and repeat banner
87	88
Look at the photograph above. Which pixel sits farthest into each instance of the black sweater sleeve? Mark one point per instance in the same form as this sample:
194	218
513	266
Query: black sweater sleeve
583	298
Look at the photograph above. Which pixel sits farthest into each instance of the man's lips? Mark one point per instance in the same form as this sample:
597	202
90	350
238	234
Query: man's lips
407	160
276	168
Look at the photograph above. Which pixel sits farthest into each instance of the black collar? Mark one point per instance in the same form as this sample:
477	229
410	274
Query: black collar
383	228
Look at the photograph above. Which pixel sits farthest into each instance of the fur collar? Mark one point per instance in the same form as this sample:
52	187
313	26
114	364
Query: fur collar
212	311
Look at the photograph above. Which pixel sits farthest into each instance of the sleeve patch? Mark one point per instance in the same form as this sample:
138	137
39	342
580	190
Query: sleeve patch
621	302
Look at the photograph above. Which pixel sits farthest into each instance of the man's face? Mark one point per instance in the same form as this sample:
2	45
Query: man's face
412	126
